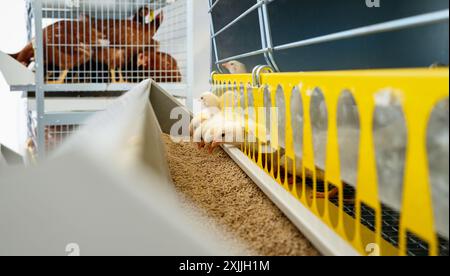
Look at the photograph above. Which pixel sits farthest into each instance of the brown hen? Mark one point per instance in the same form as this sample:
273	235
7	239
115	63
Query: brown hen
126	39
161	66
67	44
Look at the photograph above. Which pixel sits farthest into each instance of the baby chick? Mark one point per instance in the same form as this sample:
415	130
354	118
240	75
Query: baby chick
210	107
203	128
235	67
225	132
228	131
209	99
201	118
228	99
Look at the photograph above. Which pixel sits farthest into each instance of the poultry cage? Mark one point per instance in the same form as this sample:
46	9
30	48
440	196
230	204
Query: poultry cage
365	151
88	47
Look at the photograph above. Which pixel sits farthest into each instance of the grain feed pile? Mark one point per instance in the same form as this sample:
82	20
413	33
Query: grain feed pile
215	184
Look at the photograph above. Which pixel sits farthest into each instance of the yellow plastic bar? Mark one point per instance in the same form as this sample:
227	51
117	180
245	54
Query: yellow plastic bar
419	90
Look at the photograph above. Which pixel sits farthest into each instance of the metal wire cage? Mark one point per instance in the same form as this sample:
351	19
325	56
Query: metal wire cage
56	131
123	41
366	151
107	46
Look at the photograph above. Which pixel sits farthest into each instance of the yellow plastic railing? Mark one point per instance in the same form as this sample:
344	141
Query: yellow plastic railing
419	90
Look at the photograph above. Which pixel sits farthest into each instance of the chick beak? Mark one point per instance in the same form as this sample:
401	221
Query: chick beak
225	65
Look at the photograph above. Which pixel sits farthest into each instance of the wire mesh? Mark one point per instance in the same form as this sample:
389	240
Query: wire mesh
121	41
55	135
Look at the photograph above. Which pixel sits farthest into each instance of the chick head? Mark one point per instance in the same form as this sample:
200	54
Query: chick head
235	67
209	100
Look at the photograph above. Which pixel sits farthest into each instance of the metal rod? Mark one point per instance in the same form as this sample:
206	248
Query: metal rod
214	43
89	33
190	51
240	17
394	25
211	6
268	36
103	87
54	47
67	118
30	18
40	92
249	54
263	33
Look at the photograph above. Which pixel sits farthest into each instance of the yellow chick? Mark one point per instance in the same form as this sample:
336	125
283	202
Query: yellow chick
208	100
203	129
235	67
228	99
226	131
